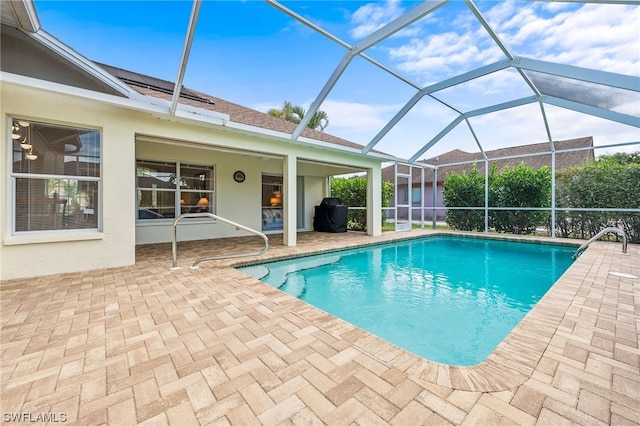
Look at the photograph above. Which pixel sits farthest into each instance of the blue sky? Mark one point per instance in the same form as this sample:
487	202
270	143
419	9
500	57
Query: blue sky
250	53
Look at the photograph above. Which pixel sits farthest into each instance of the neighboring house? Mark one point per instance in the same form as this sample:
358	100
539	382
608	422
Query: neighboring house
96	160
463	161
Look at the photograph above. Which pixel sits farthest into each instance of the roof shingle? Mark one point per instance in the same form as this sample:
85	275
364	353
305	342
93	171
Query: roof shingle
163	89
564	158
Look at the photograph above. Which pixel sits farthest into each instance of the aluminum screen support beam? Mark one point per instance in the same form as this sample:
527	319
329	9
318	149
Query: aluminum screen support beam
439	136
333	79
53	44
552	148
399	23
553	193
375	37
629	120
191	29
472	7
475	137
480	17
337	40
501	106
462	78
26	15
391	123
546	125
482	71
481	111
486	196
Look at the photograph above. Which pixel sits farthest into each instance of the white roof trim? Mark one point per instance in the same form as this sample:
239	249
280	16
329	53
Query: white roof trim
81	62
141	103
25	15
286	137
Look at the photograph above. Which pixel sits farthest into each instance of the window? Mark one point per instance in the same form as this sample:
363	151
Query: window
166	188
55	177
416	195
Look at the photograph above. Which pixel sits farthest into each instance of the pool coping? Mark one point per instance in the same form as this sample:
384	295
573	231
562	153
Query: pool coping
510	364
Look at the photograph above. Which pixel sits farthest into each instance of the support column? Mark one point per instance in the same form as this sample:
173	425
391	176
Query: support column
553	194
374	202
434	188
289	204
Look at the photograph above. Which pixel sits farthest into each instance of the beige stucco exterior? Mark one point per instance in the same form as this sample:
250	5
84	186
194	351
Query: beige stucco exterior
129	133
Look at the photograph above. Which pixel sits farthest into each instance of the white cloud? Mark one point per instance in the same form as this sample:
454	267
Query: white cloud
596	36
373	16
357	122
442	55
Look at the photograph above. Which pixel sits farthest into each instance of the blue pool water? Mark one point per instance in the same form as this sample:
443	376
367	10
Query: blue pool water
447	299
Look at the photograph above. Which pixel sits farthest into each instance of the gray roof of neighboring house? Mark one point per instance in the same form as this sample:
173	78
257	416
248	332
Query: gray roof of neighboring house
564	158
158	88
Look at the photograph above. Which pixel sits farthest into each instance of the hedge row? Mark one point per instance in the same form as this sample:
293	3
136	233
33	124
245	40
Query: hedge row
609	182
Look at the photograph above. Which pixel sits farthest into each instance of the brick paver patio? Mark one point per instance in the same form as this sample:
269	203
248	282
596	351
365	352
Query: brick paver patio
146	345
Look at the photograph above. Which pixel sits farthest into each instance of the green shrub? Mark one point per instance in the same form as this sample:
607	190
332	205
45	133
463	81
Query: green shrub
464	190
352	192
518	187
609	182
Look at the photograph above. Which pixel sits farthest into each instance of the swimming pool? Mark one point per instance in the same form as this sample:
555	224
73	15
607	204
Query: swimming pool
448	299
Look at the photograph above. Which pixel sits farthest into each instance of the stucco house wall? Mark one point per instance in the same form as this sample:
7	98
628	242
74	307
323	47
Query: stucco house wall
42	253
45	82
126	136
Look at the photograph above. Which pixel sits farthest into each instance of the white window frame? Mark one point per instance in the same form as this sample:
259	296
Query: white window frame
179	165
62	234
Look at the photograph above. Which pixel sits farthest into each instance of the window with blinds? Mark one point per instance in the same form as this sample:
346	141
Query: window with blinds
55	177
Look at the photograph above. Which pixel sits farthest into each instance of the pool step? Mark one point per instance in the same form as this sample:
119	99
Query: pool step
256	271
295	285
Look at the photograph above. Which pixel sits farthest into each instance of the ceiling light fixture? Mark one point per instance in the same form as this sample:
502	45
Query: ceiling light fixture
31	156
25	144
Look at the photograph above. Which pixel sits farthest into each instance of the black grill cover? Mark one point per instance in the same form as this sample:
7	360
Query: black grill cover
331	216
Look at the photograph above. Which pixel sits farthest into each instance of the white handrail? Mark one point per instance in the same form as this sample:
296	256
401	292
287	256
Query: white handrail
618	231
174	242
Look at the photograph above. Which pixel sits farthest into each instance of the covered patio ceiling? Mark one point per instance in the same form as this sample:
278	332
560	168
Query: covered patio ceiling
547	86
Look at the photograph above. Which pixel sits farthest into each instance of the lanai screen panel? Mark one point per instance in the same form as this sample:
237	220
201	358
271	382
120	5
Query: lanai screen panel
593	94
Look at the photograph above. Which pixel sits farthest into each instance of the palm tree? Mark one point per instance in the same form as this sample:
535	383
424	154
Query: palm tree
294	113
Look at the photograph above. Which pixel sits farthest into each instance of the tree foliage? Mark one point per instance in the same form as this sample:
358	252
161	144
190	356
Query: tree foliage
609	182
294	113
464	190
517	187
352	192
